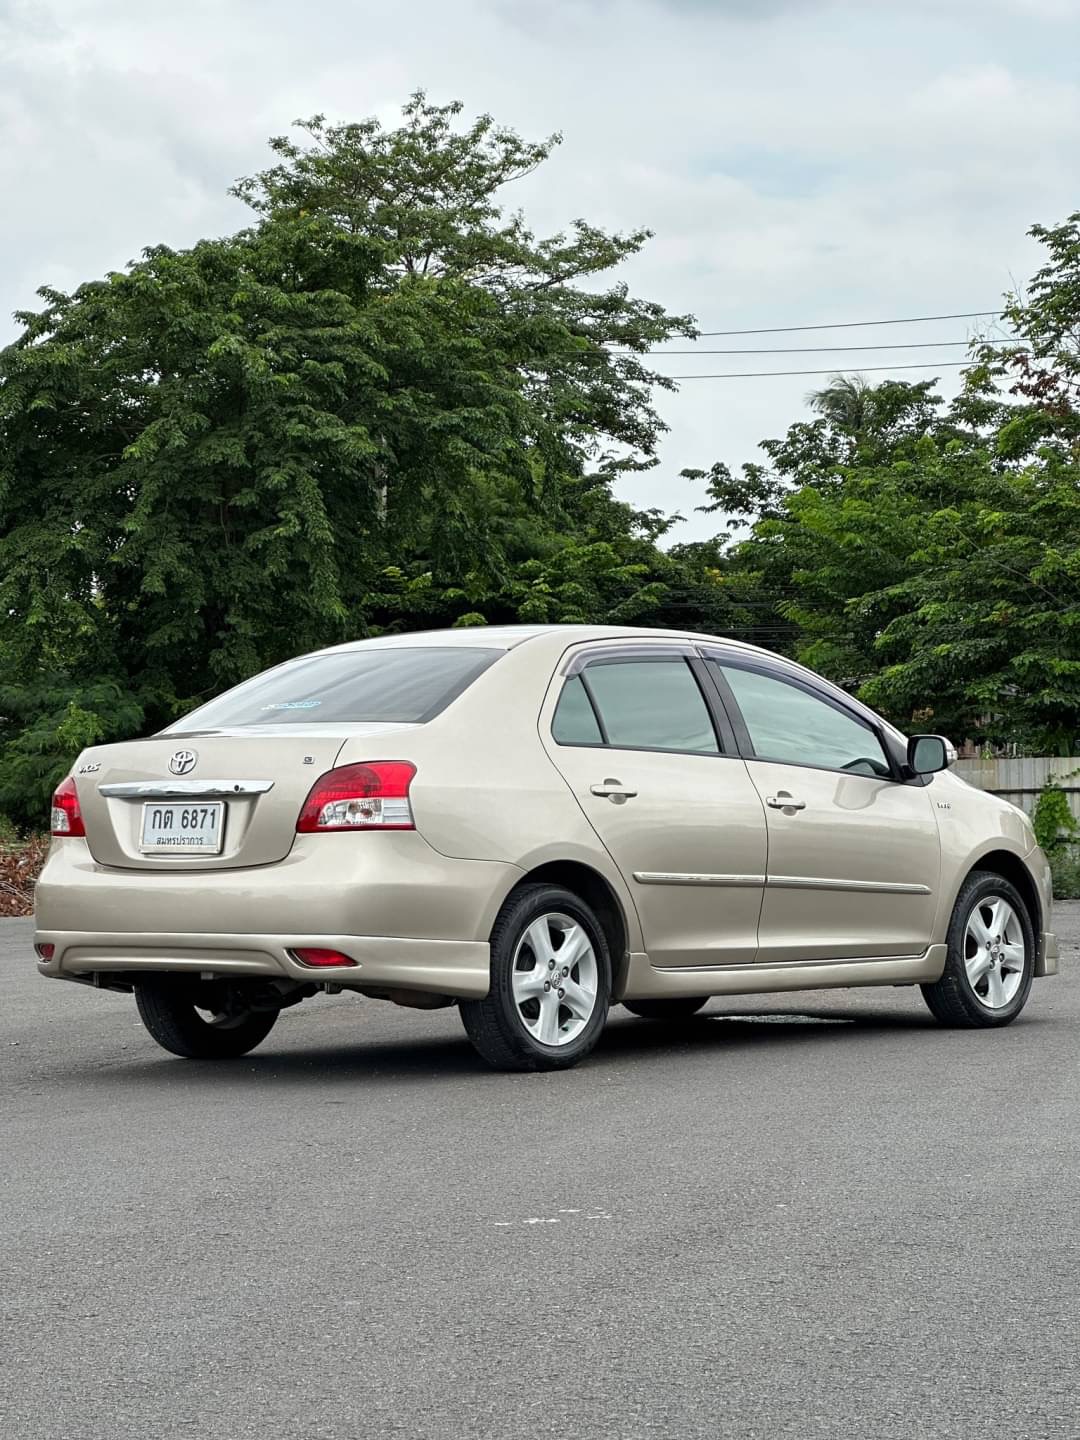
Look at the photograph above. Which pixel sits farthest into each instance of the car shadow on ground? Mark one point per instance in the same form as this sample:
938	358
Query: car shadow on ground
436	1058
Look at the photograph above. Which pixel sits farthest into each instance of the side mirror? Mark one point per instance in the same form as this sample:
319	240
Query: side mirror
927	754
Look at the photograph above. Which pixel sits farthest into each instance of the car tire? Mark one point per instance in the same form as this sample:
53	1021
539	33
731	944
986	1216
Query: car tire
678	1007
200	1020
985	985
528	1020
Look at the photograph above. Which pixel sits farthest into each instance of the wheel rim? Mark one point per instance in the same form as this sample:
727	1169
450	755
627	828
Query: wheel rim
555	979
995	952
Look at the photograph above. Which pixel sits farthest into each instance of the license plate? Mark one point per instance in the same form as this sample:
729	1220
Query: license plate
182	827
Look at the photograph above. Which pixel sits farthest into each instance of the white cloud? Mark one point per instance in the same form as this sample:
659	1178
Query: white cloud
800	162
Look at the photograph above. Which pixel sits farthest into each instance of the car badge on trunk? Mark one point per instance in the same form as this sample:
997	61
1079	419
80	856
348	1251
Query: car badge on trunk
183	762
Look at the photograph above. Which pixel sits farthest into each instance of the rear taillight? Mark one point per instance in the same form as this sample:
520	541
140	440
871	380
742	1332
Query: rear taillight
374	796
66	814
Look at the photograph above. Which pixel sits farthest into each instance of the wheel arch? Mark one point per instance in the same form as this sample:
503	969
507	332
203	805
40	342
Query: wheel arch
1011	867
597	892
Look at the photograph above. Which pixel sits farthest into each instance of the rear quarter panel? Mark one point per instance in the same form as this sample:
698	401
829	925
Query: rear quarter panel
485	788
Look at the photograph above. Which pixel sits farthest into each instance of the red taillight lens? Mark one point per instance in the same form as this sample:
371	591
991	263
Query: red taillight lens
66	814
323	957
374	796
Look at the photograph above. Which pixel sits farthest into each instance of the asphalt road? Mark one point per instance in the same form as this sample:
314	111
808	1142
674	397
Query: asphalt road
810	1216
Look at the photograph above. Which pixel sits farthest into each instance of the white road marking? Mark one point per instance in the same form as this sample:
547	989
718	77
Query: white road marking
552	1219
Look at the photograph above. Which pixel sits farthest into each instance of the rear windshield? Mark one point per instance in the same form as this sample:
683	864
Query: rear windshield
348	686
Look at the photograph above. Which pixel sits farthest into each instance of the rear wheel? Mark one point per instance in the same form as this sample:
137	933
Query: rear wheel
550	983
991	959
201	1019
678	1007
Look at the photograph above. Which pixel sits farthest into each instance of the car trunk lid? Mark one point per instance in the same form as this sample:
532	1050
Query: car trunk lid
208	800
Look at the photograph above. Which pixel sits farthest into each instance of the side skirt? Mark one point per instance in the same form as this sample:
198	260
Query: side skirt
649	982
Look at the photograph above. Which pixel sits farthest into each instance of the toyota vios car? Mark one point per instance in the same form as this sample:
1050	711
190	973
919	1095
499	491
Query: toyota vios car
534	824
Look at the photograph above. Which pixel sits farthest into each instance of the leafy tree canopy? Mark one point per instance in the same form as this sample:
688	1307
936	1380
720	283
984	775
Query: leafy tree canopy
384	403
928	556
387	404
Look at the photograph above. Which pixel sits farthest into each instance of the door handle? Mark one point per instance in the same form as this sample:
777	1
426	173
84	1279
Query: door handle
784	801
613	790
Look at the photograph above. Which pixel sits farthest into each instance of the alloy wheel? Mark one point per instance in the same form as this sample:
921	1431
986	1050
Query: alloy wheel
994	952
555	979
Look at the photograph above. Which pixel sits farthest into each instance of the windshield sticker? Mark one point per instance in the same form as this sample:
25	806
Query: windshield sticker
294	705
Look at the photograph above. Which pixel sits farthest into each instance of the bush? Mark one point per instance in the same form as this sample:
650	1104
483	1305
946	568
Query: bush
1056	829
1065	868
1053	820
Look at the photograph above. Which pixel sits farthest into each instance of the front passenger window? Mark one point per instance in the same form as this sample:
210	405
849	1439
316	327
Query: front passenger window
789	724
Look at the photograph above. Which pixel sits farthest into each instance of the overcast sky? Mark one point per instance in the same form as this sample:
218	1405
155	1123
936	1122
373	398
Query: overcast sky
800	161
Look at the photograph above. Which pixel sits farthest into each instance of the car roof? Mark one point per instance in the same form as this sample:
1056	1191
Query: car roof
507	637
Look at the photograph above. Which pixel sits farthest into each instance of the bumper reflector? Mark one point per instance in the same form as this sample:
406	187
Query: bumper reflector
45	952
321	957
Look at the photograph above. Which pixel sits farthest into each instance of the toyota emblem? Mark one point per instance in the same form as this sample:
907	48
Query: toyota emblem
183	762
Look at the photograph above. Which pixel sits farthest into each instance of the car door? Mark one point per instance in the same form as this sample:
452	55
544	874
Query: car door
653	765
854	854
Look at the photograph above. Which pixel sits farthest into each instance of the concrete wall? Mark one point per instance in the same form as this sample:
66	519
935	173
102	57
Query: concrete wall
1021	780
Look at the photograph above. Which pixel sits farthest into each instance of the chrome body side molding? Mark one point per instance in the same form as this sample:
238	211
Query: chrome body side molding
664	877
873	887
780	882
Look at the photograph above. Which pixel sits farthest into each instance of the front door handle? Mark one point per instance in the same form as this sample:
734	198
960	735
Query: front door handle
784	801
613	790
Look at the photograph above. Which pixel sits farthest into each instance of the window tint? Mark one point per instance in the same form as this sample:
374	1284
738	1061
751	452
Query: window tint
654	704
786	723
574	722
347	686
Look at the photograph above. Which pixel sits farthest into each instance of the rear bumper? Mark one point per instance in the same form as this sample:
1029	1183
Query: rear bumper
410	917
446	967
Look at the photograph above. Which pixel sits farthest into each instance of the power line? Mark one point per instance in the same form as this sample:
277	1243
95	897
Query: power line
822	349
857	324
862	369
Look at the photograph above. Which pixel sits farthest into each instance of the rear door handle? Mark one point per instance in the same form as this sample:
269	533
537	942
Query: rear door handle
613	790
784	801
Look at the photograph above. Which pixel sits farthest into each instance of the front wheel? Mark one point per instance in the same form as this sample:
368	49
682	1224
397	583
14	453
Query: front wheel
201	1019
550	983
991	956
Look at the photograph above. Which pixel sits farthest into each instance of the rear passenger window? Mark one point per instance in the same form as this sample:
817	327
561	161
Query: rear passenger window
651	705
575	720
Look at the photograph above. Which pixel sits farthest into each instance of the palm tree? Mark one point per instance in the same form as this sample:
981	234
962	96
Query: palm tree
845	403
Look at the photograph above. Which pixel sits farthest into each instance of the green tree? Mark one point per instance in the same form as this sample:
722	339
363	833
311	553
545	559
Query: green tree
988	636
928	556
847	403
828	522
386	402
990	640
